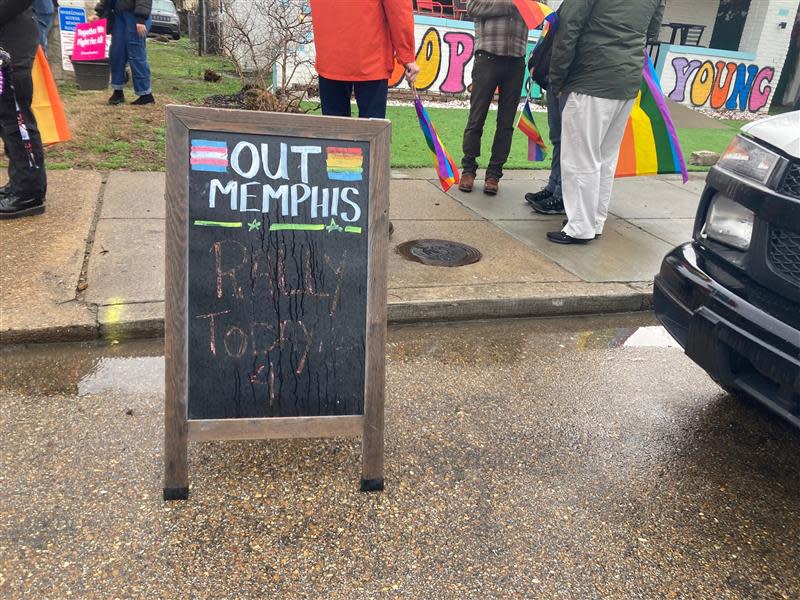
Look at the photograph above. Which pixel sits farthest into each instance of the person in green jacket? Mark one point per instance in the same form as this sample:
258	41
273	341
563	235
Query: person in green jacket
596	68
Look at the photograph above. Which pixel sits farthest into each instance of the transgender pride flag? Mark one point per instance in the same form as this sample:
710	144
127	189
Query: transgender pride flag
208	155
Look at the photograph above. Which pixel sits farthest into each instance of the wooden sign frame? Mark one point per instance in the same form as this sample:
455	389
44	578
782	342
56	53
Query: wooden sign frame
179	430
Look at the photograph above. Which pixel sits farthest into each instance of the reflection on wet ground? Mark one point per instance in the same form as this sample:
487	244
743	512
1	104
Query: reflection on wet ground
126	374
138	367
565	458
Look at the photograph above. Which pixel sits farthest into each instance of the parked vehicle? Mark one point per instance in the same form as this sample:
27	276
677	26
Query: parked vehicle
731	296
165	19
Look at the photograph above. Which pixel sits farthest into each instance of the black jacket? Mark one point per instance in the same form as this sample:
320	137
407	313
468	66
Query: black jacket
599	47
19	34
140	8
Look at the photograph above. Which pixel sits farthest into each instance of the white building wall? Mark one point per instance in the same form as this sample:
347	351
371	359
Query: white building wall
766	36
696	12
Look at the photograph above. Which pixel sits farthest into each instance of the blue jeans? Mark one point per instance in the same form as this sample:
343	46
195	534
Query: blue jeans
45	23
554	108
128	48
370	97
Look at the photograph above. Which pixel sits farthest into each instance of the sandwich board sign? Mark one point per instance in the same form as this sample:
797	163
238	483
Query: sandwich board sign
276	254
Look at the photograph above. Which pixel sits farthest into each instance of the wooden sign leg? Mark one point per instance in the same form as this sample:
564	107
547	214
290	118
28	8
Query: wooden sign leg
176	426
372	447
176	455
372	440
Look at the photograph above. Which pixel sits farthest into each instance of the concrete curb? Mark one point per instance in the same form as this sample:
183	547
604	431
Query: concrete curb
399	313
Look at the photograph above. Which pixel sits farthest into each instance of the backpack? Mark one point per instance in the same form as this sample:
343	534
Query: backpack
539	61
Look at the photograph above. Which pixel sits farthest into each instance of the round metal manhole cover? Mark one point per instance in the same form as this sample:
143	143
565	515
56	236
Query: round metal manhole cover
439	253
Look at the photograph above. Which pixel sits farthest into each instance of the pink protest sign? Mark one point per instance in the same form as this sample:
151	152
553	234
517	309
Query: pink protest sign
90	41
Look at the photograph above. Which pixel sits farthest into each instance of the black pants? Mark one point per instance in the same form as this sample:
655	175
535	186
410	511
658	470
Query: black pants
25	180
370	97
489	73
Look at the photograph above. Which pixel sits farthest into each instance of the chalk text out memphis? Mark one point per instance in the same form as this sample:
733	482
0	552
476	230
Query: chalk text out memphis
312	182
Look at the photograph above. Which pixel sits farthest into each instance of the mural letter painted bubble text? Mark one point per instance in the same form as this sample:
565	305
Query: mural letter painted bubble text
432	62
733	86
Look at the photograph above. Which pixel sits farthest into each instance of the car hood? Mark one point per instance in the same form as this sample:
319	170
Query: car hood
781	131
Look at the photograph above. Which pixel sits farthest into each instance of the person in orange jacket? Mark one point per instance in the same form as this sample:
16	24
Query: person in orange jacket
357	42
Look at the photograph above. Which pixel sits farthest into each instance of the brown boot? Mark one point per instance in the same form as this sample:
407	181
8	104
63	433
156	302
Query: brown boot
466	183
490	186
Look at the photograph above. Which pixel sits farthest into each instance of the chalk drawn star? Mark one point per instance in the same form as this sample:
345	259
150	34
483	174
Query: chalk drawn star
333	226
254	225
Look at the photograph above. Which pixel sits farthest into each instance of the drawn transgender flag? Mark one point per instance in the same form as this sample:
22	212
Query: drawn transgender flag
208	155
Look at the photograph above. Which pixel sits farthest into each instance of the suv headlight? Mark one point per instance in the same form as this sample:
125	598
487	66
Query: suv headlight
747	158
729	223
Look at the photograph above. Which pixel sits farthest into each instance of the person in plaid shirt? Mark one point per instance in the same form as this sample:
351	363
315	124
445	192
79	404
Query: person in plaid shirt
501	41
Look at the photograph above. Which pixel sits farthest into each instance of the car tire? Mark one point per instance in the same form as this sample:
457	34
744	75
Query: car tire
176	36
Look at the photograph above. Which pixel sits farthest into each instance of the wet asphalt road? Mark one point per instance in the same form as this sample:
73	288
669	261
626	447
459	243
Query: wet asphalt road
525	459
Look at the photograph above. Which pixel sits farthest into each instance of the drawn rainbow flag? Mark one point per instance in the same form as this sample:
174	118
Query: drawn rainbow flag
536	145
650	145
345	164
209	155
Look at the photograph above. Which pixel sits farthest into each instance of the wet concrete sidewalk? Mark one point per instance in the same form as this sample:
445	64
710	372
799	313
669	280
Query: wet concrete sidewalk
92	265
556	458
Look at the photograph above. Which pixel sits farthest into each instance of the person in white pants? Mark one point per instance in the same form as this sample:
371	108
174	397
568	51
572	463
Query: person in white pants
592	132
596	67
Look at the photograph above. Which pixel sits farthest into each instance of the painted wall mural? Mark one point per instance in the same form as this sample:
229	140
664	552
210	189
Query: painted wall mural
447	68
444	55
720	84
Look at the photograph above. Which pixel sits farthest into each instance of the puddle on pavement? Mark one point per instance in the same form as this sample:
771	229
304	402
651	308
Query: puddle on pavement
91	368
651	337
512	341
132	375
137	367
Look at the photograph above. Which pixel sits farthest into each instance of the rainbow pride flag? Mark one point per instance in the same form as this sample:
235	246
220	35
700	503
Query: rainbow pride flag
533	13
442	161
345	164
526	124
650	145
46	104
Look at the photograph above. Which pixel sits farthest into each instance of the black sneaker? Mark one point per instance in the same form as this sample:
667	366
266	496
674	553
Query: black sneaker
559	237
564	224
13	206
118	97
549	206
142	100
533	198
5	190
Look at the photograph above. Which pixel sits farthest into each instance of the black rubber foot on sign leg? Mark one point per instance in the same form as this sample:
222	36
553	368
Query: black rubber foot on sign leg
372	485
176	493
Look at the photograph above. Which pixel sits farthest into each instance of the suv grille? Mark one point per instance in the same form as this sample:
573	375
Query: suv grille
791	183
784	254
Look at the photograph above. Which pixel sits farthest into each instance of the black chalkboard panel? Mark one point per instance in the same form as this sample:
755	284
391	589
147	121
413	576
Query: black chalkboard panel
277	276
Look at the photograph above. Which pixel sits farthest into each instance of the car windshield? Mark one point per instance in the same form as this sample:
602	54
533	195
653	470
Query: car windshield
163	6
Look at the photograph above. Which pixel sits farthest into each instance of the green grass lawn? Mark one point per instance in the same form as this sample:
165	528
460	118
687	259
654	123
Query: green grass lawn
128	137
408	149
